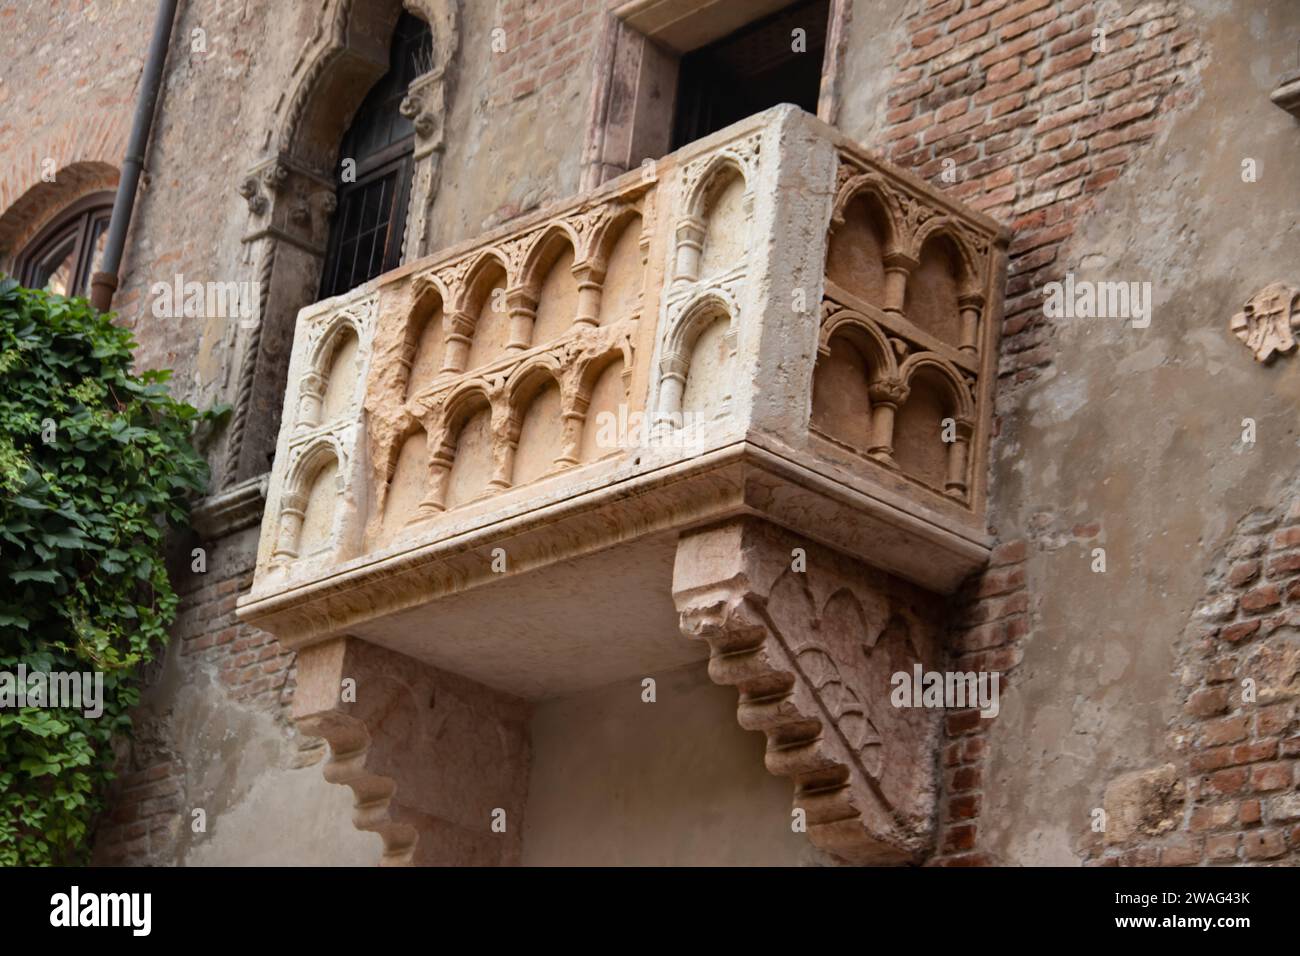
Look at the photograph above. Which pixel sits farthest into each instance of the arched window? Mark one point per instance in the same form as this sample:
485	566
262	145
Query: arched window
63	256
366	233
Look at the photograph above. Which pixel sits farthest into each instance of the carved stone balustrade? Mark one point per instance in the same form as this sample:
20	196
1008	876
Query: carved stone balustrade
532	462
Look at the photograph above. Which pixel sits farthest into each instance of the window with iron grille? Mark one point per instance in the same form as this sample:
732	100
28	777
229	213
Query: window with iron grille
369	222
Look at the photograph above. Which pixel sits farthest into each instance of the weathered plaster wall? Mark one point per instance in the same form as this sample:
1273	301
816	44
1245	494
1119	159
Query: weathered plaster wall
212	735
671	783
517	116
1135	432
1140	432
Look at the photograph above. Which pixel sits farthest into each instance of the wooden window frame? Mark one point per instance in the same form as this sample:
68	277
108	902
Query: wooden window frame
78	219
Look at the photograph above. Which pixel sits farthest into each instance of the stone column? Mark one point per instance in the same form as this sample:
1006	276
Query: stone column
590	285
971	304
293	509
521	304
672	388
886	395
460	336
311	396
690	246
441	456
958	454
898	266
574	417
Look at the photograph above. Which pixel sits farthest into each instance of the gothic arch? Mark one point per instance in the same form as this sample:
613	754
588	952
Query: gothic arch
696	316
40	202
944	228
290	191
720	169
865	336
339	62
601	242
963	406
542	254
879	195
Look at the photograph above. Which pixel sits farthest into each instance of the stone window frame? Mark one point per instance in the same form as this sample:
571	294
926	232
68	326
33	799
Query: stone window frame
630	113
291	194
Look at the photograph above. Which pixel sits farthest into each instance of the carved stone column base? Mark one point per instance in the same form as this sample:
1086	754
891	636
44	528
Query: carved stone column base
811	639
438	763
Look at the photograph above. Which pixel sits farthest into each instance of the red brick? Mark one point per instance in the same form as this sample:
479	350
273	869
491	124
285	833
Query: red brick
1208	702
961	837
1221	847
1009	552
962	722
1268	777
1249	812
964	807
1243	573
1286	538
1274	719
1225	781
1261	598
1180	855
1284	565
965	778
1263	844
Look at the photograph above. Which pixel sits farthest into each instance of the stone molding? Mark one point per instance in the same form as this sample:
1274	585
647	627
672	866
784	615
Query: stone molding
231	510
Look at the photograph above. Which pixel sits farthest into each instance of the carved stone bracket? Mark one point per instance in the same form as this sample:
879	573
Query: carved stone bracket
376	709
811	644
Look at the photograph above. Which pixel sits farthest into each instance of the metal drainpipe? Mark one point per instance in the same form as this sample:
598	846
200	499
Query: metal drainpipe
103	284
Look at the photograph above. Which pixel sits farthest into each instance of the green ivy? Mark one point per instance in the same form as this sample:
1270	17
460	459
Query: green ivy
95	462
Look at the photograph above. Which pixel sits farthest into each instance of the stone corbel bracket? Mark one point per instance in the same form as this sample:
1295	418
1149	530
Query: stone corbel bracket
425	105
811	652
429	756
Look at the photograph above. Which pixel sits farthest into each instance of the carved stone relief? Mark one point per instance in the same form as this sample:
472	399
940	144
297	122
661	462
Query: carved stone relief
1268	321
811	651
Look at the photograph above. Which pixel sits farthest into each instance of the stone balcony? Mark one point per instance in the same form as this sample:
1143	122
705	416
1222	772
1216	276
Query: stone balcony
735	404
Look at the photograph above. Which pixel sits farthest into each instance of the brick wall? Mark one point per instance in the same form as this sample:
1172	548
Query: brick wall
545	42
993	620
1235	770
1035	122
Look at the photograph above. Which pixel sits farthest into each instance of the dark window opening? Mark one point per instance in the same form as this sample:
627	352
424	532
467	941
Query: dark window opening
366	233
66	253
752	69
